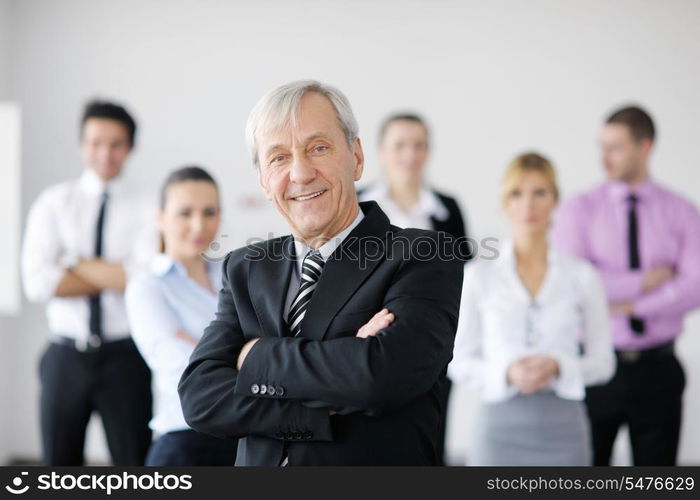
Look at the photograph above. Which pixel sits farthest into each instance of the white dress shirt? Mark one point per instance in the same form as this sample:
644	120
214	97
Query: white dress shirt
326	250
62	224
418	216
160	302
500	323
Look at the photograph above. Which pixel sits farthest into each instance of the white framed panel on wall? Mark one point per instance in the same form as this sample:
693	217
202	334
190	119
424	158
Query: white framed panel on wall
10	143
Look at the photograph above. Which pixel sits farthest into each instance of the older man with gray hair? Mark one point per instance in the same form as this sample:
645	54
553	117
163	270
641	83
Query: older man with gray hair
330	345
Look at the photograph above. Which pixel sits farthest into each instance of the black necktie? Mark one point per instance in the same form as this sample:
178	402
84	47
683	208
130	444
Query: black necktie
636	324
310	273
95	307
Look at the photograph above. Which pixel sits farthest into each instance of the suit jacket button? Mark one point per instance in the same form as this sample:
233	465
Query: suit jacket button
297	435
271	390
255	388
308	435
279	390
263	389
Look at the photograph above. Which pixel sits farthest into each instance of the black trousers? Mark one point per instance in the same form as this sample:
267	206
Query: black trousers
191	448
645	394
112	380
442	430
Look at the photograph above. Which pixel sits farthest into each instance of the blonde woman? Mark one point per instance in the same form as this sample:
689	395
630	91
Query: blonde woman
533	333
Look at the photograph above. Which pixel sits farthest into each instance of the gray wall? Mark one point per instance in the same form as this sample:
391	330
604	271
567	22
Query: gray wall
493	78
6	324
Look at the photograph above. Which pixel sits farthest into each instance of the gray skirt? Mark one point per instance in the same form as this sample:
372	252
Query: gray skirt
534	429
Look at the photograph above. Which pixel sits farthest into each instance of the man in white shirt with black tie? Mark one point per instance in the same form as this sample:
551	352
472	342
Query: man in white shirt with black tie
83	239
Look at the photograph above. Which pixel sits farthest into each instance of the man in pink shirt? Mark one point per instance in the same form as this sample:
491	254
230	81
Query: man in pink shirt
645	242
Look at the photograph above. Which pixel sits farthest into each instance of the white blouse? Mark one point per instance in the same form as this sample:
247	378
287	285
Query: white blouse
500	323
419	215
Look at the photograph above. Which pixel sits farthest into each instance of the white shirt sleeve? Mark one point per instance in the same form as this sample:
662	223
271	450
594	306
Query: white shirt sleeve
469	364
41	250
597	363
153	326
145	245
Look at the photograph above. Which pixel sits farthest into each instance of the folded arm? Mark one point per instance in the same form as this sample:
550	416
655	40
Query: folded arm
209	402
377	373
597	363
41	271
469	364
154	328
680	294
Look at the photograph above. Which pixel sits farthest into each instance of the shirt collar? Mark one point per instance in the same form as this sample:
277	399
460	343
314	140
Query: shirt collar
162	264
428	203
508	253
91	183
327	249
619	191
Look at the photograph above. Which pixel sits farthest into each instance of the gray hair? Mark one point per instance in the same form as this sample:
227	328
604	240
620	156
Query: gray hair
279	108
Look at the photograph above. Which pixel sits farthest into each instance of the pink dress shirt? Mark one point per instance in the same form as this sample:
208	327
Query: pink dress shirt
593	225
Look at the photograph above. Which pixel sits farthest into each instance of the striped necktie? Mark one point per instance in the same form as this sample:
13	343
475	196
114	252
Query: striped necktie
310	273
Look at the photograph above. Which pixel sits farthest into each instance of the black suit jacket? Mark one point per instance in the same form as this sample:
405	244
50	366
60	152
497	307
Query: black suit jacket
453	225
385	389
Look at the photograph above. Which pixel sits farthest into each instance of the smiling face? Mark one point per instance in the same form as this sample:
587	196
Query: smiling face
308	171
189	218
530	203
404	150
105	144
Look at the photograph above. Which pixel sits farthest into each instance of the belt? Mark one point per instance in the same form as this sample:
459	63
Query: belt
661	351
92	343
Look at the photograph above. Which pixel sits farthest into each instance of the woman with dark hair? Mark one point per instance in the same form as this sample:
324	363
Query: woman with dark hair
404	195
170	306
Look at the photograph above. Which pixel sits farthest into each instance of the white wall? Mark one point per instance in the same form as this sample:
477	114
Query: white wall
493	78
6	323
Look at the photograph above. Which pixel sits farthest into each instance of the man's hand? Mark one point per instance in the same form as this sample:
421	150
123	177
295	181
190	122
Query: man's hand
244	352
378	322
72	285
101	274
532	373
624	308
182	335
657	277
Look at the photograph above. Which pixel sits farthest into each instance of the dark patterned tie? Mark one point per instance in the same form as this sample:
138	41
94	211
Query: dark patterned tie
636	324
95	306
310	273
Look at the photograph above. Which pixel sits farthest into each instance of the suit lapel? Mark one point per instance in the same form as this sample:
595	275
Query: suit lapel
346	270
268	284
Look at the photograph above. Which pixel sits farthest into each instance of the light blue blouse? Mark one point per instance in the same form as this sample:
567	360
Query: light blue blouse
159	302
